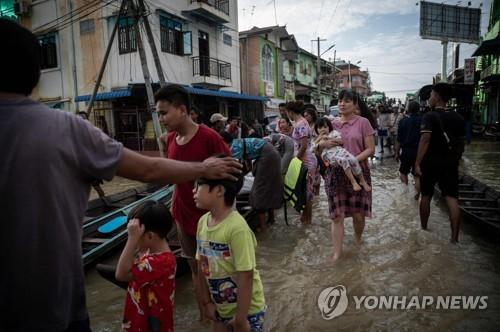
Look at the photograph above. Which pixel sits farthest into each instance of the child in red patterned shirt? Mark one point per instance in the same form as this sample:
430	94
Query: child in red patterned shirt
151	276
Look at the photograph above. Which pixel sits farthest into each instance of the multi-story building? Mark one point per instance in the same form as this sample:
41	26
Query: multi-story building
352	77
268	57
487	98
306	83
274	66
197	42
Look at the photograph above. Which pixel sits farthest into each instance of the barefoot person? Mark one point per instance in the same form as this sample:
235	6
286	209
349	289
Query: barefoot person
407	144
357	136
339	155
302	135
46	171
439	150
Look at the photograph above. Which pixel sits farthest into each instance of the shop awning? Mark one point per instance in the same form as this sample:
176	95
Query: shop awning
224	94
115	94
491	46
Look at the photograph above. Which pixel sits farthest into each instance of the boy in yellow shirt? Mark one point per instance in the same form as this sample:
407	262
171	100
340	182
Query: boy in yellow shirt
231	289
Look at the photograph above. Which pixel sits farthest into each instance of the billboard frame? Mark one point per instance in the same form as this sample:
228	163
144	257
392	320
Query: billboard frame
449	23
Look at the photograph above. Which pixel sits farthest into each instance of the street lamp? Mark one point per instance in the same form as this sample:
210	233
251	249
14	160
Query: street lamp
350	81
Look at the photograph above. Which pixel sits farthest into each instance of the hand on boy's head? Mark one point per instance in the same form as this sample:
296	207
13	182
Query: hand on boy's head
222	168
135	229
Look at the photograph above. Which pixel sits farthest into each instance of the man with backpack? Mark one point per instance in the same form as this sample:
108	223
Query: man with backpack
439	151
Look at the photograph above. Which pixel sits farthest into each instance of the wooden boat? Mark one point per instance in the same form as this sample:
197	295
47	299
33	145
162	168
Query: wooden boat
100	206
107	232
480	203
100	244
103	234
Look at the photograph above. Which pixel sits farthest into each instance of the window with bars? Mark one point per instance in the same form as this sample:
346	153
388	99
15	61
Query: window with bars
171	36
228	40
49	51
267	63
87	26
126	35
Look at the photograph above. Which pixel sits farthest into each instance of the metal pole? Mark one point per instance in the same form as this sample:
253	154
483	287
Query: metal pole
152	45
105	60
147	76
318	69
444	76
334	70
318	73
75	78
350	84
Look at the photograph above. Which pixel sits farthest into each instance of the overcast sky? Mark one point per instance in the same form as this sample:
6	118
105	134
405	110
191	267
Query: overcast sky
383	34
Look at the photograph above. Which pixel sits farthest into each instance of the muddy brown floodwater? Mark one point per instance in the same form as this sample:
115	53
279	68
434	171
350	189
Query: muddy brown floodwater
397	258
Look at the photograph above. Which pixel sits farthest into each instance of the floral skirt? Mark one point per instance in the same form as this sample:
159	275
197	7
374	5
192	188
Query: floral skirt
342	199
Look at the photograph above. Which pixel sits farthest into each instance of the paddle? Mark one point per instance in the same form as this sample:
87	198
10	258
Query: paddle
112	225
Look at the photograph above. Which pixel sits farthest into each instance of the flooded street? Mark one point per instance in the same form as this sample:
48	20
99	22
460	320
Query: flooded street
482	161
397	258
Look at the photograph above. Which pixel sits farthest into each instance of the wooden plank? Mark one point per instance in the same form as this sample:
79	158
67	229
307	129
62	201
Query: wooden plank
97	240
476	199
471	192
481	209
496	220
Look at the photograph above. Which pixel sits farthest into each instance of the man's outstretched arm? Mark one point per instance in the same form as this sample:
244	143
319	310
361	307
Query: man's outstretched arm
135	166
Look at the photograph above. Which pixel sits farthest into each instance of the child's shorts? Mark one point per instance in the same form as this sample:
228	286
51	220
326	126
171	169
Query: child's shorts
256	321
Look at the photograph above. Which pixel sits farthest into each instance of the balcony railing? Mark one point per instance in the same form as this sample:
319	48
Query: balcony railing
220	5
206	66
490	70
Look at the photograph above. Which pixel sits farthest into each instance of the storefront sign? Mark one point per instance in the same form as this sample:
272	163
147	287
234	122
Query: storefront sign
469	69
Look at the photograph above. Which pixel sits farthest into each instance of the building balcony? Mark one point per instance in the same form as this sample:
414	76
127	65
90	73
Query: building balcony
491	70
211	71
214	11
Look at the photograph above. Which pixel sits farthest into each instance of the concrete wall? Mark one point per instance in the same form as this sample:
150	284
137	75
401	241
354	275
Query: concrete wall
58	83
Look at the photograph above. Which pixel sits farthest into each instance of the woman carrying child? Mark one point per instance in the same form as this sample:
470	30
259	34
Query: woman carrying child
358	139
339	155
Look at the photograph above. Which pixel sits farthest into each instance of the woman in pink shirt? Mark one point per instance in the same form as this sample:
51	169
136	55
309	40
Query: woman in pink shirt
357	138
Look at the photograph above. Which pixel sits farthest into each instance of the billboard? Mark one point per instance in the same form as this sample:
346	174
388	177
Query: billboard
449	23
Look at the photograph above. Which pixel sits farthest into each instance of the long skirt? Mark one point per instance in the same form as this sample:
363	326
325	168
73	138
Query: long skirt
342	199
267	190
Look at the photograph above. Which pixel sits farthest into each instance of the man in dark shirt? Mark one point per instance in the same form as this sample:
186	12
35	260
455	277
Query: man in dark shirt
439	150
407	140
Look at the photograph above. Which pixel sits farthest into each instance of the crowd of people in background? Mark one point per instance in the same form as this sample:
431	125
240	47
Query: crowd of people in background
215	239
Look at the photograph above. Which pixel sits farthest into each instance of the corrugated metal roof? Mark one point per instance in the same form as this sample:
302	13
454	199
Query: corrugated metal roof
106	95
223	94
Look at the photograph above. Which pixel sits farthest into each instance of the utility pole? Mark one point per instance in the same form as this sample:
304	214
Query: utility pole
349	66
151	42
318	68
105	60
334	71
147	76
444	76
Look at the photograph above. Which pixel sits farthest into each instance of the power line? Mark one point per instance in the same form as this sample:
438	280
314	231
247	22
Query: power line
320	16
69	15
72	20
333	13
